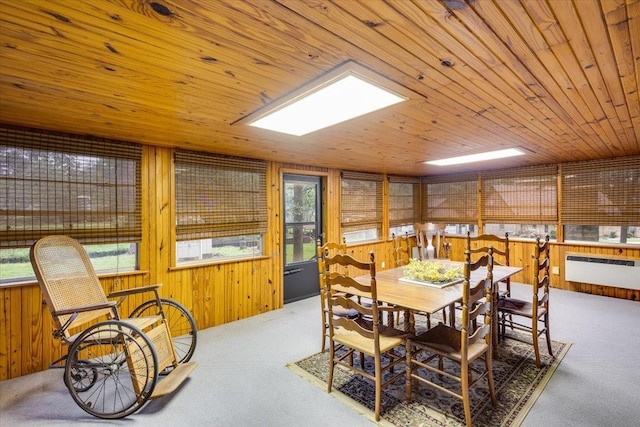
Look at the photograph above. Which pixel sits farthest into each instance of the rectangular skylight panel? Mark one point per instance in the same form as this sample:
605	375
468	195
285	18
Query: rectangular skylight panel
345	98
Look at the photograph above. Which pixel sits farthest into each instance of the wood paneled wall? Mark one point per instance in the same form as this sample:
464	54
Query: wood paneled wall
223	292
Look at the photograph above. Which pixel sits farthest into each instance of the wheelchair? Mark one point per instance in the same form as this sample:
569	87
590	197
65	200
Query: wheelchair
113	365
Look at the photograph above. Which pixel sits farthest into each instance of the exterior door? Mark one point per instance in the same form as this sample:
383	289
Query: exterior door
302	227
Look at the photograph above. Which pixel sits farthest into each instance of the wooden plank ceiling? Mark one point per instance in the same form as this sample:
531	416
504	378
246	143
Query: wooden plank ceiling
557	78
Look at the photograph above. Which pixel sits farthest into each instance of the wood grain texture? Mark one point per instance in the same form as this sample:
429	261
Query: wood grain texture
557	78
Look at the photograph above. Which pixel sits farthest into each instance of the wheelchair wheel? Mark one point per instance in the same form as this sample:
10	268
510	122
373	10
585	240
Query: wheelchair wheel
111	369
181	324
83	375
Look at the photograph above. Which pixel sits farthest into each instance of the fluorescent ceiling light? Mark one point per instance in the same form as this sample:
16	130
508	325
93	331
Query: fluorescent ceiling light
341	95
491	155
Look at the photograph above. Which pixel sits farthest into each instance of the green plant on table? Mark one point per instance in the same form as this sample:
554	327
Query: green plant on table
432	271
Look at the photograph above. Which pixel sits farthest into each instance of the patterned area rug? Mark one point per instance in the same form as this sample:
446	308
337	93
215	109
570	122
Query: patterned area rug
517	381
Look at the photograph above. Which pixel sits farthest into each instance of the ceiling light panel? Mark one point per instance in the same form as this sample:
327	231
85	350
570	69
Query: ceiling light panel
343	94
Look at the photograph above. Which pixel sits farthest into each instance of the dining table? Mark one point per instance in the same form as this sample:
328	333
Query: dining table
393	289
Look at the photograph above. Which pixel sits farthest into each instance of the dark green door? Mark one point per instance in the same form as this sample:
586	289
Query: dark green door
302	226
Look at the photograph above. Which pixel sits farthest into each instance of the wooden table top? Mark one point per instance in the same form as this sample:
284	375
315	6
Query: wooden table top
427	298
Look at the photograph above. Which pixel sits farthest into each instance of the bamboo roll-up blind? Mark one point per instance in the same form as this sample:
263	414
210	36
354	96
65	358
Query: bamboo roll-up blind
520	196
452	199
219	196
601	192
53	183
361	201
404	200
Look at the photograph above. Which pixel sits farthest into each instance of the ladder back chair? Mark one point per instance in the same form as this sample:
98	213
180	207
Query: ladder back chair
461	346
531	316
365	334
401	249
113	363
330	249
500	256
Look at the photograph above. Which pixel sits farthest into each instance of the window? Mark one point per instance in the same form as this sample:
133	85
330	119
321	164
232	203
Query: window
86	188
522	231
520	201
361	204
452	199
601	200
221	207
404	204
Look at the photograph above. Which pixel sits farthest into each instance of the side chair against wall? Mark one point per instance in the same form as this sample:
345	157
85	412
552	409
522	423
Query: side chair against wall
364	334
401	249
113	363
424	230
329	249
461	346
531	316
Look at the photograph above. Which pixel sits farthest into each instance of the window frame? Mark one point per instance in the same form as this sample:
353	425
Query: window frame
96	185
361	206
222	199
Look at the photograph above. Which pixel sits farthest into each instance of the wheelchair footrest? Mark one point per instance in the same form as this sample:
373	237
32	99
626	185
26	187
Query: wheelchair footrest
172	381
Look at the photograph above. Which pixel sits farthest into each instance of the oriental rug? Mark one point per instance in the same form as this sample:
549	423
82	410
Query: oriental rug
518	383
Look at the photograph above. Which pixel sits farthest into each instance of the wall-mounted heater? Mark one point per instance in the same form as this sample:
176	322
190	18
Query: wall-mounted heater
603	270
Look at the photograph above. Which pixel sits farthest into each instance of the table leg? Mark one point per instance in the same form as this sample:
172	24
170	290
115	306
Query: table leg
494	318
452	315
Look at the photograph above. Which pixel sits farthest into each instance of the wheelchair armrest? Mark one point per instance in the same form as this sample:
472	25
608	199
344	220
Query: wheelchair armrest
84	308
138	290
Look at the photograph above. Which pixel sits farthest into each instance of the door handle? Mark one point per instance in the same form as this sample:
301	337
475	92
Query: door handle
295	270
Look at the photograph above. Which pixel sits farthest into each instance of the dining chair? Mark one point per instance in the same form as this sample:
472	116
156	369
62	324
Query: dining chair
500	256
532	316
330	248
426	233
365	334
426	352
401	249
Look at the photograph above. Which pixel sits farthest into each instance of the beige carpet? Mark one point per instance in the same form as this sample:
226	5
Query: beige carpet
517	380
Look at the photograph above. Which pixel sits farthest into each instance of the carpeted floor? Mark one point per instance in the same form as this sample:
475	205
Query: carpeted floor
517	380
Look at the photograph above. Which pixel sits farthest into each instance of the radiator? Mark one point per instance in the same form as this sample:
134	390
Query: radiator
603	270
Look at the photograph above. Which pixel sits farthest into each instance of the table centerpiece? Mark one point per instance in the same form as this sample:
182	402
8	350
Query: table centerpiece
432	273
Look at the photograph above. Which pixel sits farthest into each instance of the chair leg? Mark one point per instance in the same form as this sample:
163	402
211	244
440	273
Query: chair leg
489	366
547	333
378	371
331	366
324	337
534	337
464	377
407	386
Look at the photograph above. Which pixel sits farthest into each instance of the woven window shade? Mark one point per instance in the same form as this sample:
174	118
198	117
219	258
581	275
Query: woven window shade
452	199
404	200
361	201
218	196
520	196
52	183
601	192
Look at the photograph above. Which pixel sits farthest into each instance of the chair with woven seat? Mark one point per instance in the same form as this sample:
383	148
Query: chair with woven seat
330	248
113	364
365	334
500	256
460	346
531	316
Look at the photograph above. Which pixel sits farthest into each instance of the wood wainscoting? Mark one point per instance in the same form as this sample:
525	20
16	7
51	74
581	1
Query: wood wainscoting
223	292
